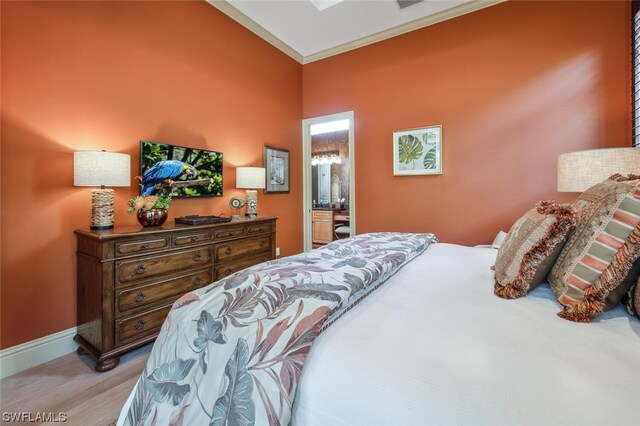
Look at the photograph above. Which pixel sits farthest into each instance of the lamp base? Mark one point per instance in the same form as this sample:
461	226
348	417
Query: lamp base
252	203
102	209
101	228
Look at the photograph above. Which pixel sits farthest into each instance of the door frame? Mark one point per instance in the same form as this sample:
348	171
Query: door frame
306	173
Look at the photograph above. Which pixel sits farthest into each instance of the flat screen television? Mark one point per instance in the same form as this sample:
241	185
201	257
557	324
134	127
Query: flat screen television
208	165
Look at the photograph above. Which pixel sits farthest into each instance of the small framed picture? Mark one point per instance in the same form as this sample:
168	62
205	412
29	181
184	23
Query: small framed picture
276	163
417	151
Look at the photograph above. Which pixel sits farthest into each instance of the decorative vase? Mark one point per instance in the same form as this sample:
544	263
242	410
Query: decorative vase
153	217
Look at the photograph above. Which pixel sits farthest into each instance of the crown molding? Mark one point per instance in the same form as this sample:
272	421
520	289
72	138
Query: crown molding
254	27
426	21
233	13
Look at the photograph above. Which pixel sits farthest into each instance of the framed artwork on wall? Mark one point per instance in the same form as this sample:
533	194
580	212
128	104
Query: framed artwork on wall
417	151
276	164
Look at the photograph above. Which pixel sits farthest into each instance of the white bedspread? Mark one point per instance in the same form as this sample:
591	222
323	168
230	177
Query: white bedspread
467	357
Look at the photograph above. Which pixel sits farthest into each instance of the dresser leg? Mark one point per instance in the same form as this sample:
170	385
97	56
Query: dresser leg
82	351
107	364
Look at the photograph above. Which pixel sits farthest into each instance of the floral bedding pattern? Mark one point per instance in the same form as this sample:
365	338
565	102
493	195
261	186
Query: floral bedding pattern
231	353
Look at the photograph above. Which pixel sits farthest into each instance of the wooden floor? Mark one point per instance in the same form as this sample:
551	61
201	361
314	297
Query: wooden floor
70	385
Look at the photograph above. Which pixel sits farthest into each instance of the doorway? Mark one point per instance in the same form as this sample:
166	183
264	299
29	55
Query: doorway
328	193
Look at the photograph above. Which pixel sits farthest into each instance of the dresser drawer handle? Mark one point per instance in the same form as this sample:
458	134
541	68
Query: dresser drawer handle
263	243
228	250
140	269
140	325
145	246
194	239
197	281
228	272
140	297
197	257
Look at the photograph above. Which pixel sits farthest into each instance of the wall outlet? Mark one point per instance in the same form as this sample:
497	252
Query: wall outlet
277	251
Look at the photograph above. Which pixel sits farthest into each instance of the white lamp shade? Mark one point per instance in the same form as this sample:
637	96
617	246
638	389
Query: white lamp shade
580	170
250	177
97	168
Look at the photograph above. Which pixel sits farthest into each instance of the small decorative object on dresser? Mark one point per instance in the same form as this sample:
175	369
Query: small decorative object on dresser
128	278
150	210
250	178
417	151
276	164
236	204
101	168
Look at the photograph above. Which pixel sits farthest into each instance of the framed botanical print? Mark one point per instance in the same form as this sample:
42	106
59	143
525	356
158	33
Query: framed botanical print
417	151
276	164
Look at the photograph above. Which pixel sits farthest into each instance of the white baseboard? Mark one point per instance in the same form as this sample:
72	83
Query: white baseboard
26	355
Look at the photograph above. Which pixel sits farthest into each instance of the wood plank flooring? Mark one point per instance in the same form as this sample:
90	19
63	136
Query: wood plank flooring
70	385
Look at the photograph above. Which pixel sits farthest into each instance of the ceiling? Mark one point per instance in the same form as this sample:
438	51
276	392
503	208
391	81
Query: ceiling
307	34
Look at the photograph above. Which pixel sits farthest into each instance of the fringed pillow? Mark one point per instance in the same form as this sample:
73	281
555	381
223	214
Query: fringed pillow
633	300
531	248
594	269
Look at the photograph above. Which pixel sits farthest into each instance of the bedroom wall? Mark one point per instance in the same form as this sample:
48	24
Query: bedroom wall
513	86
103	75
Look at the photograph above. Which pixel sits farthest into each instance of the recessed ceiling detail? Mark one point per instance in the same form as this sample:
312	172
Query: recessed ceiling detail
406	3
305	33
323	4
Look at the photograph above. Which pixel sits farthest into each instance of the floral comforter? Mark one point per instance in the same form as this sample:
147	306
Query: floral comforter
231	353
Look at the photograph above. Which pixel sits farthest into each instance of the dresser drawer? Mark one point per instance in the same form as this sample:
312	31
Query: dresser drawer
145	267
226	269
322	215
138	326
183	240
140	246
258	228
226	233
157	292
237	248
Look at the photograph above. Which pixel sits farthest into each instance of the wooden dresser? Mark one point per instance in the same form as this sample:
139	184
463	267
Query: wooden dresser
128	278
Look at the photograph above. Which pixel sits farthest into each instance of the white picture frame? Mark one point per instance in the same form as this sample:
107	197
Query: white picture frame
417	151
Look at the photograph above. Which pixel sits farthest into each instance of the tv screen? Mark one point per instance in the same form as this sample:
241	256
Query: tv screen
207	165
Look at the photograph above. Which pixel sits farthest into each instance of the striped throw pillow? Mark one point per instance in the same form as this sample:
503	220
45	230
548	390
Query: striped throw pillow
531	247
594	270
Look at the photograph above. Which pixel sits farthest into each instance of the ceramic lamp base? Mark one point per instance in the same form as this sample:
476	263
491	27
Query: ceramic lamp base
102	208
252	203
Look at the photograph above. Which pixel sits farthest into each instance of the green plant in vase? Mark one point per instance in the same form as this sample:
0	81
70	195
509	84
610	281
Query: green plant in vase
150	210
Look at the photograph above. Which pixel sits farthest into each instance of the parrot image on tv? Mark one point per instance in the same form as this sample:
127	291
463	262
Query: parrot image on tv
164	171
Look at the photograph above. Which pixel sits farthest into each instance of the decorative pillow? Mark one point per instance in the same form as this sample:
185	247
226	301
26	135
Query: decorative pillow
531	248
633	300
594	269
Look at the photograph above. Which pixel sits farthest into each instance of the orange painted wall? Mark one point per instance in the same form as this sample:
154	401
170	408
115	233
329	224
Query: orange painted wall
513	86
103	75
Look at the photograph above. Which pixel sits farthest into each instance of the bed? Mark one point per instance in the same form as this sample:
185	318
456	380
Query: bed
434	345
455	354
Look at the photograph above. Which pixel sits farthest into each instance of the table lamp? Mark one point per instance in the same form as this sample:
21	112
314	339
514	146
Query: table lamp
580	170
251	178
101	168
